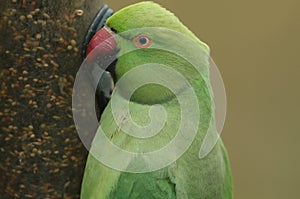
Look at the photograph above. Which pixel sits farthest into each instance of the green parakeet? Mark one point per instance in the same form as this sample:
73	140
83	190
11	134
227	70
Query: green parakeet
142	33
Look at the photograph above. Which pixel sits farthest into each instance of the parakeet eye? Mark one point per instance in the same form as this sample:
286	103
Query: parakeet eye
142	41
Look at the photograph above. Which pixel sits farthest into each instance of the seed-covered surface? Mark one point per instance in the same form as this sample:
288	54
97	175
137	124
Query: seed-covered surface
41	155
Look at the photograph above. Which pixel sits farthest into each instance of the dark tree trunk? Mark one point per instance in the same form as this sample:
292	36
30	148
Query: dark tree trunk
41	155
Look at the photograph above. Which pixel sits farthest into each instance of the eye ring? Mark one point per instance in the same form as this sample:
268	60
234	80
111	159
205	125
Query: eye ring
142	41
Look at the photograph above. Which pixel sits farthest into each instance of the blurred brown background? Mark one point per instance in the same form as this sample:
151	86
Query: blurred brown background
255	45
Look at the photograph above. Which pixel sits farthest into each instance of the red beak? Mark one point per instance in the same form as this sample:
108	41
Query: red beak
103	43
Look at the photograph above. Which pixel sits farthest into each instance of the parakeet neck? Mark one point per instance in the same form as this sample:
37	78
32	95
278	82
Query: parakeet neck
157	76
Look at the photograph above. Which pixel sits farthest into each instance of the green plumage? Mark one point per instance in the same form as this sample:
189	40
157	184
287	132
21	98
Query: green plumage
188	177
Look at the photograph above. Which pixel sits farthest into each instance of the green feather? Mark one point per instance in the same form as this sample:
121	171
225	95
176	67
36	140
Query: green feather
148	14
187	178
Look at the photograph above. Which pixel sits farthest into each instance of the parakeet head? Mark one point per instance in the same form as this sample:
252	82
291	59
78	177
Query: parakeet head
142	33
